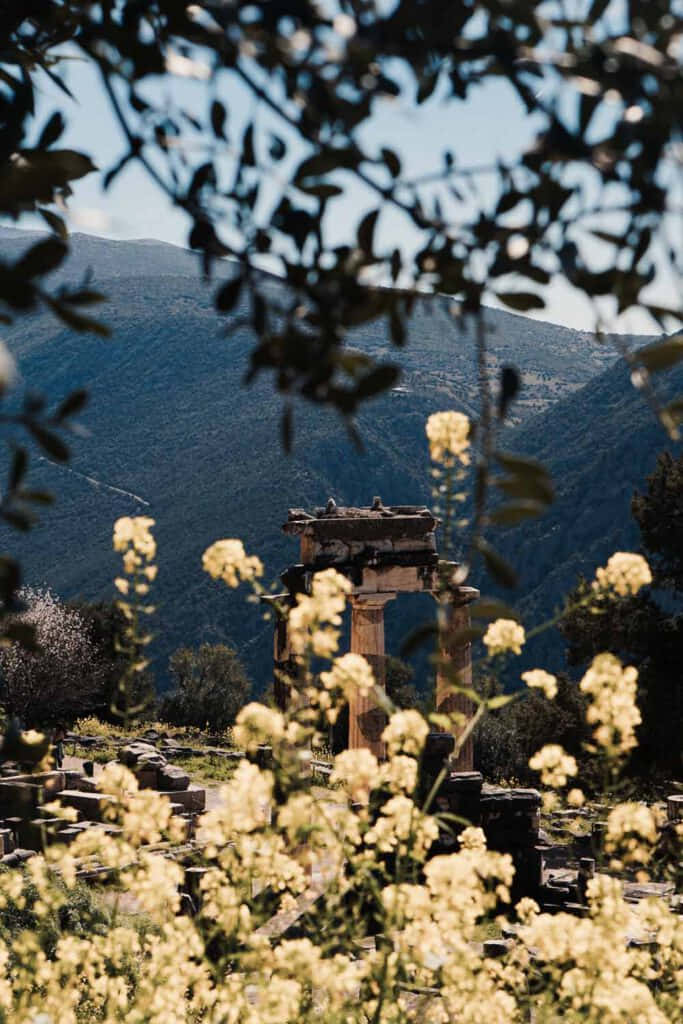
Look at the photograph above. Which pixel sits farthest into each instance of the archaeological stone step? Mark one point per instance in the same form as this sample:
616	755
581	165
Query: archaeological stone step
191	799
90	805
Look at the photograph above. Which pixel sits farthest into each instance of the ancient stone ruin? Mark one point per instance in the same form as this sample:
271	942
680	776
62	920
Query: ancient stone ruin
384	552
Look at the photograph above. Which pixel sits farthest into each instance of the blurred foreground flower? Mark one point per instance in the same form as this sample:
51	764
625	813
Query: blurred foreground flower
538	679
504	635
227	560
625	573
448	436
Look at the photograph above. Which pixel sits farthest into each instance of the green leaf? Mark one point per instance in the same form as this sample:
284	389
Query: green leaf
493	703
16	748
418	636
287	428
10	577
218	115
489	608
19	518
608	236
228	294
41	258
674	410
521	300
37	497
85	297
538	488
49	442
427	85
55	223
324	162
397	328
51	132
509	387
500	570
515	512
392	161
366	231
248	154
660	355
77	320
380	379
72	404
321	190
17	469
519	465
277	148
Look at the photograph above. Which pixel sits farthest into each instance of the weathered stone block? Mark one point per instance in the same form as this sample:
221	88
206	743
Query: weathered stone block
192	799
19	798
90	805
52	782
146	776
170	777
674	807
133	752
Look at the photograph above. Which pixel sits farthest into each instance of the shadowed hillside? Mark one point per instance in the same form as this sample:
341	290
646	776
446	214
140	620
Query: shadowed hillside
171	425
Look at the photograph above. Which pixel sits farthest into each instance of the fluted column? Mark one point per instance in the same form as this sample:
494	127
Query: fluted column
285	666
366	718
455	667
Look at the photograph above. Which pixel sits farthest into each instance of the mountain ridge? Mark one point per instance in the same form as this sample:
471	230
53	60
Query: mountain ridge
170	422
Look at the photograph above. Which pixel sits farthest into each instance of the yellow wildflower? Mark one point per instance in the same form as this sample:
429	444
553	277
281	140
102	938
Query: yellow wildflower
227	560
537	678
448	435
625	573
554	764
504	635
406	731
613	707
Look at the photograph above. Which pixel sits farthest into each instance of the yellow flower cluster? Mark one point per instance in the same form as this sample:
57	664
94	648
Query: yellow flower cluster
259	855
504	635
613	709
351	675
624	574
134	539
257	724
315	618
539	679
448	436
631	833
405	733
357	771
227	560
135	532
554	764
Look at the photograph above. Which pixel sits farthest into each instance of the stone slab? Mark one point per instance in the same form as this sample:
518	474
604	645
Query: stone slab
90	805
192	799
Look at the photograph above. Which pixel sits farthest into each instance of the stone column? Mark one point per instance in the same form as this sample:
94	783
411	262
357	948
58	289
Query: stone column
366	718
285	666
456	667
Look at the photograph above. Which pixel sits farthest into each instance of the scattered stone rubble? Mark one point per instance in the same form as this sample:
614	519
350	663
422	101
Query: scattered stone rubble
26	826
555	875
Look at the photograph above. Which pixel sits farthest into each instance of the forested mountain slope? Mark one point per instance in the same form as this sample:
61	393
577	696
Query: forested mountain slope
174	434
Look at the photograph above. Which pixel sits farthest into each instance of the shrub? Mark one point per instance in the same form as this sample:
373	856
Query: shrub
506	739
211	686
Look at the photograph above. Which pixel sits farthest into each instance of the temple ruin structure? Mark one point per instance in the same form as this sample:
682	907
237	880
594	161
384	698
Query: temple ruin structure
384	552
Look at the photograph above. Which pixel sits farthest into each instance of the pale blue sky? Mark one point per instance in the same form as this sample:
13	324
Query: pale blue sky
491	124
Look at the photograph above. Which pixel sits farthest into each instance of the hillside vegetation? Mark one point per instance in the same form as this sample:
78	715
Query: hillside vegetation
173	433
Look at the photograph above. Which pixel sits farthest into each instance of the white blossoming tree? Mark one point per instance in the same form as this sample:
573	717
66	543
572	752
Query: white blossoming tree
60	680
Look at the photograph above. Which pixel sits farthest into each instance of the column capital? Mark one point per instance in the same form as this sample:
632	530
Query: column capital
370	600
